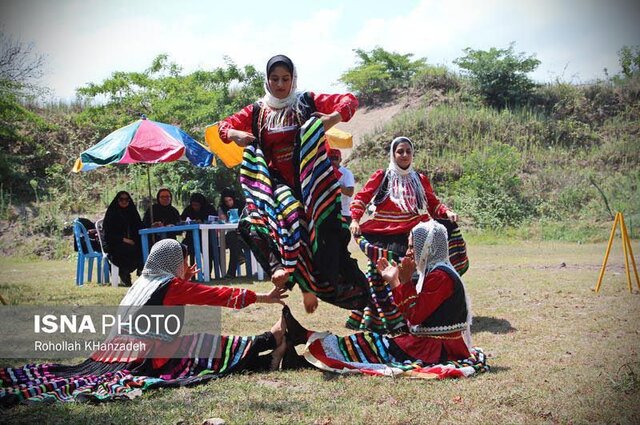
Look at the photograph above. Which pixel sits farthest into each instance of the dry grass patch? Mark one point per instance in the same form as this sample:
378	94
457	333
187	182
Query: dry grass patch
559	352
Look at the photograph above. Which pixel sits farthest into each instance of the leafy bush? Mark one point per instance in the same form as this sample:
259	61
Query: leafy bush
433	77
629	58
379	72
499	75
490	191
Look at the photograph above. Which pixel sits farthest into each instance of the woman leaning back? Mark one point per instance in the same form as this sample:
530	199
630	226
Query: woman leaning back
166	360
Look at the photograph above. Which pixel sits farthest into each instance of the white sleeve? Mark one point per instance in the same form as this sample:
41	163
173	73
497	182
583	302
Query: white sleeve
347	179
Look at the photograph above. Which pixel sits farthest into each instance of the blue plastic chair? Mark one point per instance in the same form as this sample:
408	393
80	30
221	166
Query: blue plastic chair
85	252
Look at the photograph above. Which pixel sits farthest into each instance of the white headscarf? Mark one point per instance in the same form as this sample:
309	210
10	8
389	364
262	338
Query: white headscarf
280	111
165	262
431	249
405	187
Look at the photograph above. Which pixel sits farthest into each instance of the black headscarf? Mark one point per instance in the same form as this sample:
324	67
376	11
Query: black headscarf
205	208
237	202
167	215
121	222
280	60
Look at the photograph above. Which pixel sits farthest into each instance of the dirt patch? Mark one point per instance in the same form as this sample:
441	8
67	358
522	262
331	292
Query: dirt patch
368	120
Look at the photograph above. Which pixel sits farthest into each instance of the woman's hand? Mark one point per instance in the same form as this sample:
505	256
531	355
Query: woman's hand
128	241
276	295
451	216
328	120
280	277
191	271
406	269
241	138
355	228
388	271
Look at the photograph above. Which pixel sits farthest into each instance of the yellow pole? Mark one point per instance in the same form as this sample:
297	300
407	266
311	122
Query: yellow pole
626	254
625	237
606	255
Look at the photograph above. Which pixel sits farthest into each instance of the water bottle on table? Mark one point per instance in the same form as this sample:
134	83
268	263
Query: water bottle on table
233	215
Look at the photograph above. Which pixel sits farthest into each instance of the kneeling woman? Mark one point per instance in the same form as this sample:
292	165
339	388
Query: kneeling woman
114	375
436	308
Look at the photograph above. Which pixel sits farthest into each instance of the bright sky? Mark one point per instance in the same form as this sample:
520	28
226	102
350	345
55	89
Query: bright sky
86	40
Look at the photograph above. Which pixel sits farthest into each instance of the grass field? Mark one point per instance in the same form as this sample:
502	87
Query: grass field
559	352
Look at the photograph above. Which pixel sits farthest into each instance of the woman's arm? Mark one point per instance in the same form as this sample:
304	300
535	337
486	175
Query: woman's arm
182	292
238	127
365	195
344	104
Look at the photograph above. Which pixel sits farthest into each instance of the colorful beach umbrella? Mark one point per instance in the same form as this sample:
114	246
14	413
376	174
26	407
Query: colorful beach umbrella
144	141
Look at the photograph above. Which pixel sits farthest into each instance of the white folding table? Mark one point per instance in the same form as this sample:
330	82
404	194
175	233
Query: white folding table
221	229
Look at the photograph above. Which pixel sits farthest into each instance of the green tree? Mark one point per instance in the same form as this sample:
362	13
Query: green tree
163	93
22	158
500	75
379	72
629	59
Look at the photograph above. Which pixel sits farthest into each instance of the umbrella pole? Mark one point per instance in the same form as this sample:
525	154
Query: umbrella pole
153	236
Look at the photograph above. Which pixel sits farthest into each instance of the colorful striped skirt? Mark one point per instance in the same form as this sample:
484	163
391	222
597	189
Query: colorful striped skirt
301	228
209	356
375	354
381	313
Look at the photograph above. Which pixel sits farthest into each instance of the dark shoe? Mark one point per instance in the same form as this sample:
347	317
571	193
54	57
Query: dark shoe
292	360
296	333
229	276
241	260
125	278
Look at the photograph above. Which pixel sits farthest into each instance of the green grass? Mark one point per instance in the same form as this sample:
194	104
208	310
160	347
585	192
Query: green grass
560	353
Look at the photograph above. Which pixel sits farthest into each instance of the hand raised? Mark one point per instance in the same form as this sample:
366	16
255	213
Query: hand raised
276	295
388	271
191	271
406	269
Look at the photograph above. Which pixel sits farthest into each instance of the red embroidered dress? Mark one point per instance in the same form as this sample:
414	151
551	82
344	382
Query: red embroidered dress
438	289
292	219
388	218
278	143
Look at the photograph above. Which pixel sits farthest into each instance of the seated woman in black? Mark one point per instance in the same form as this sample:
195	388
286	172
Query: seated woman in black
197	211
228	201
122	241
164	214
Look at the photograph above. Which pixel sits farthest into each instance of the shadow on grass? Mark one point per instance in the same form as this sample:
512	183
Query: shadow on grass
491	324
497	369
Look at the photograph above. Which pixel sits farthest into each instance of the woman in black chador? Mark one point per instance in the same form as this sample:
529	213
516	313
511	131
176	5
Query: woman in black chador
122	240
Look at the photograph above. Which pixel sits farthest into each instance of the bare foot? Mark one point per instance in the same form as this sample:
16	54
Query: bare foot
277	354
310	302
280	277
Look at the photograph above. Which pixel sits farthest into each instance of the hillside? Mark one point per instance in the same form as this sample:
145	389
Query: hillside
538	172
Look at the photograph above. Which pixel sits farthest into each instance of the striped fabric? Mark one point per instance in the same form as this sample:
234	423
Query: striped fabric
371	354
208	356
293	224
382	314
458	251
